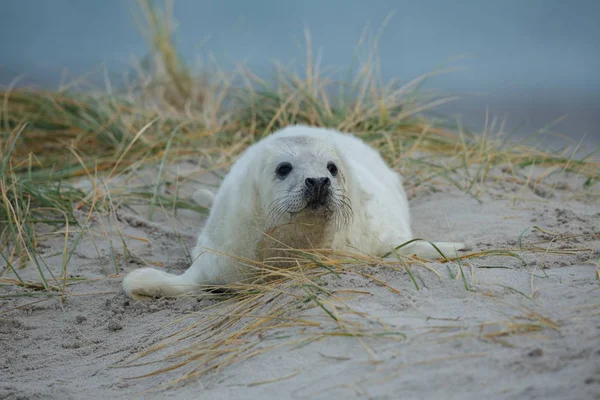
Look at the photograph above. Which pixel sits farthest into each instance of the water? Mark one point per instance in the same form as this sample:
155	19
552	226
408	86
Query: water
531	62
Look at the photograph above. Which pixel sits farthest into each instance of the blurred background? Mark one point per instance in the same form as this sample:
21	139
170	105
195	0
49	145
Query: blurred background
531	61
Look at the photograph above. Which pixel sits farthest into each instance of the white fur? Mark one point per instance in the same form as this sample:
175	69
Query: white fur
239	217
203	197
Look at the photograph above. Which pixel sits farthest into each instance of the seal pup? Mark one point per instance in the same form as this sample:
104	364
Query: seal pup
300	188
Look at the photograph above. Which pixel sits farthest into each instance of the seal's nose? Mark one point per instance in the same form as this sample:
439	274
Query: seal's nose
318	188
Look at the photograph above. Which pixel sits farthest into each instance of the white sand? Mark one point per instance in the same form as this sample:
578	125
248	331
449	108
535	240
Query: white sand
452	348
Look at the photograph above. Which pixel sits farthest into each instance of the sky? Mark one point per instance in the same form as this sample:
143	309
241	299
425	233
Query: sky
530	60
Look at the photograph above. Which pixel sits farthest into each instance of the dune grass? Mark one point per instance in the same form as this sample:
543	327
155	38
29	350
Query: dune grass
52	139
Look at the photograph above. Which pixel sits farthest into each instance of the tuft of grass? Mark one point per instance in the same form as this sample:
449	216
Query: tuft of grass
244	322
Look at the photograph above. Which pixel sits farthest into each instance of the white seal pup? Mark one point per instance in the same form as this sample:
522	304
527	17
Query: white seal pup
299	188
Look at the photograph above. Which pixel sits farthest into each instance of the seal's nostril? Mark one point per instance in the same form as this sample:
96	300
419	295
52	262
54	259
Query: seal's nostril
310	182
326	182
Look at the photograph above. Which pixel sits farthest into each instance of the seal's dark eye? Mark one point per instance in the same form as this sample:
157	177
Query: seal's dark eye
283	169
331	167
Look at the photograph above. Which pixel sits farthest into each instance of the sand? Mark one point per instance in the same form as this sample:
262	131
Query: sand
529	329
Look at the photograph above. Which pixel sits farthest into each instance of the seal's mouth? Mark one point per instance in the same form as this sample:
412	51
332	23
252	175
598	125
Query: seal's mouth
315	205
317	201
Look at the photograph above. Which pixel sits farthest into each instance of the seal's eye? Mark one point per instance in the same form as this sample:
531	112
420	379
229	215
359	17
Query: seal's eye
332	168
283	169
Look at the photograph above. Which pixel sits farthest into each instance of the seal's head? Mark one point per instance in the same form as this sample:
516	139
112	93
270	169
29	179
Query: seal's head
306	180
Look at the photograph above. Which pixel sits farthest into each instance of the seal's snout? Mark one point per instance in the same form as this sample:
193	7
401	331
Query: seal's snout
317	189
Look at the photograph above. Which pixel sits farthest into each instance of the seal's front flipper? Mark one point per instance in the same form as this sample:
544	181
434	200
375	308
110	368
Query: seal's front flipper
204	197
147	283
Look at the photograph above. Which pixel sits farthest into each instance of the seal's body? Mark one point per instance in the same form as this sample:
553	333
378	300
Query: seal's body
299	188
